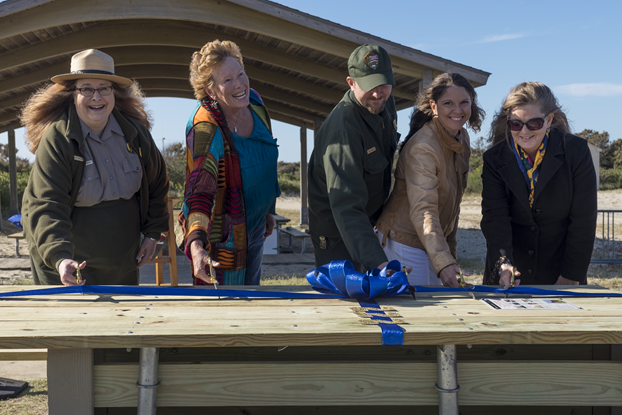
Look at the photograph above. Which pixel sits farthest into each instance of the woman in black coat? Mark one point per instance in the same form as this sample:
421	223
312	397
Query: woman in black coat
539	195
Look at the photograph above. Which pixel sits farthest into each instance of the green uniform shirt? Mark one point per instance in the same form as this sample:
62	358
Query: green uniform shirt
350	176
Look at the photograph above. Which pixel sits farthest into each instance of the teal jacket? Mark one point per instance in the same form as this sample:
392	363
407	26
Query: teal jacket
350	176
56	177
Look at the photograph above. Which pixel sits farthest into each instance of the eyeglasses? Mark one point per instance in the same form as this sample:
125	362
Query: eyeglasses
532	124
88	92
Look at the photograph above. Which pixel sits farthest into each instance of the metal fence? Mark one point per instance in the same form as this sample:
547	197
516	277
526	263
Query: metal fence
607	247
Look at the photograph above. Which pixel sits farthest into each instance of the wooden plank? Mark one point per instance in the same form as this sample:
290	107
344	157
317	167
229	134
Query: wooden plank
115	321
16	355
70	381
270	385
172	321
287	384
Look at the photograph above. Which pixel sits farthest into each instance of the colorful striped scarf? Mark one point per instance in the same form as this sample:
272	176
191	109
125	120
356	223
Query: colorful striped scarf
530	168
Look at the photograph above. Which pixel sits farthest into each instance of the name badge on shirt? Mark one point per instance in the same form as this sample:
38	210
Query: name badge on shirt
78	158
89	162
371	150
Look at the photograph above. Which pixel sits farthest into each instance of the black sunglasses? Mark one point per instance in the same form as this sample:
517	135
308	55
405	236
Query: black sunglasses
532	124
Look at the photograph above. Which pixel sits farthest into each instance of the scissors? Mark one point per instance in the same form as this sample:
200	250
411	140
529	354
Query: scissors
78	278
513	276
463	283
212	275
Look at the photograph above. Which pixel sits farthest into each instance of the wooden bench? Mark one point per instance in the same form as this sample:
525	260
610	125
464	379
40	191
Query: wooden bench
295	233
17	236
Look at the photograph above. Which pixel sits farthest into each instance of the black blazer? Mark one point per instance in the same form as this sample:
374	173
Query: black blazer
556	236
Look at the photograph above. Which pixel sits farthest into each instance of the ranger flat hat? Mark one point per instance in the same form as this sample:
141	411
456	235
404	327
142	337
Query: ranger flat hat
93	64
370	66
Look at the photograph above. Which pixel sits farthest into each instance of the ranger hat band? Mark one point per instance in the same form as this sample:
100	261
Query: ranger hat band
370	66
92	63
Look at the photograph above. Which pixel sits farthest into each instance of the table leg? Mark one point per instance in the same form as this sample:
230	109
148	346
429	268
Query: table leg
70	381
148	381
447	384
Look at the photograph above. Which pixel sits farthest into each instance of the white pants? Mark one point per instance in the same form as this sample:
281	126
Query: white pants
422	273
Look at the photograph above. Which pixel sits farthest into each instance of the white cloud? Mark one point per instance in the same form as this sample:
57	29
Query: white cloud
602	89
499	38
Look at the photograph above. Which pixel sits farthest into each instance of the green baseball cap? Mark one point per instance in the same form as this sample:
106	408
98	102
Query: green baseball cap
370	66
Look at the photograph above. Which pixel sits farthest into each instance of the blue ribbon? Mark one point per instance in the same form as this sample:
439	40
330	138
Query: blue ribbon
392	334
180	291
340	277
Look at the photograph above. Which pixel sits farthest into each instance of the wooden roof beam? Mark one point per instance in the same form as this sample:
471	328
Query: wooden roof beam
116	34
278	21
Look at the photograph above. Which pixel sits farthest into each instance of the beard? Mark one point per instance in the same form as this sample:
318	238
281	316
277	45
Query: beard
377	110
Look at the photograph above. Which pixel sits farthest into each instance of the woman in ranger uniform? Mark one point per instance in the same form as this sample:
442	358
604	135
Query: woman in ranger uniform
539	197
419	223
98	181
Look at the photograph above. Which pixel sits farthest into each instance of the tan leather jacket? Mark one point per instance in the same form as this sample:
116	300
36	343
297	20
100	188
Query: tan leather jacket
430	178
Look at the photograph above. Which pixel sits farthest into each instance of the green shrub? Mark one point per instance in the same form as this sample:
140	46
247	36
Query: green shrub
289	178
289	183
474	181
5	192
610	179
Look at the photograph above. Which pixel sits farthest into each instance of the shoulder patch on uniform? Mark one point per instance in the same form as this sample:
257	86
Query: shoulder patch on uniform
371	150
395	124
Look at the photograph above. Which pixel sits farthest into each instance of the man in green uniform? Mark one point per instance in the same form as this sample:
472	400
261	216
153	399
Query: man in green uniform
350	167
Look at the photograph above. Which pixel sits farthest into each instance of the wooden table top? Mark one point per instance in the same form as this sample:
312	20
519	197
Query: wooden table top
105	321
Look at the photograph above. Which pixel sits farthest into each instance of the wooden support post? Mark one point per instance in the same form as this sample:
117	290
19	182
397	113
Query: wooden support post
159	269
13	206
172	246
447	384
304	207
70	381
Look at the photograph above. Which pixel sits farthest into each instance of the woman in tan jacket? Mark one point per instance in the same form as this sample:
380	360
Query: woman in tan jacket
419	223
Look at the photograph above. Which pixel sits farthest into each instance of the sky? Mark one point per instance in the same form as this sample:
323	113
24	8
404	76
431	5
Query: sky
574	47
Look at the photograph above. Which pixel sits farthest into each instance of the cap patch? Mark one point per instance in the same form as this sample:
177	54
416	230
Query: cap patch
372	60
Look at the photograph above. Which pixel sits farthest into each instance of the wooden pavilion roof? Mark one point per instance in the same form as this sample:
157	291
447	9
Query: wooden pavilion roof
296	61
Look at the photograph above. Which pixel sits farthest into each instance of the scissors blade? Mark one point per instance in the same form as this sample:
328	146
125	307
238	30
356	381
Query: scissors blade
212	275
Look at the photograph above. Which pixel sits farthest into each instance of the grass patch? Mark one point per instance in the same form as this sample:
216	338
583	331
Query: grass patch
294	215
33	401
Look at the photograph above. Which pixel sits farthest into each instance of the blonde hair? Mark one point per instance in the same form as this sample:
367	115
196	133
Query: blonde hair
48	104
534	93
206	60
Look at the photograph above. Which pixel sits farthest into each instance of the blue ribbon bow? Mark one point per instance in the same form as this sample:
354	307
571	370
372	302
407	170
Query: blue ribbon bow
340	277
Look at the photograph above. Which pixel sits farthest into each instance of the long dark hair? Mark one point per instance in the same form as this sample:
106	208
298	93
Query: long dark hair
526	93
422	113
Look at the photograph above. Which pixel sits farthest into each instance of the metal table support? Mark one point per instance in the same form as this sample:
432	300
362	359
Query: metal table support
148	381
447	384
